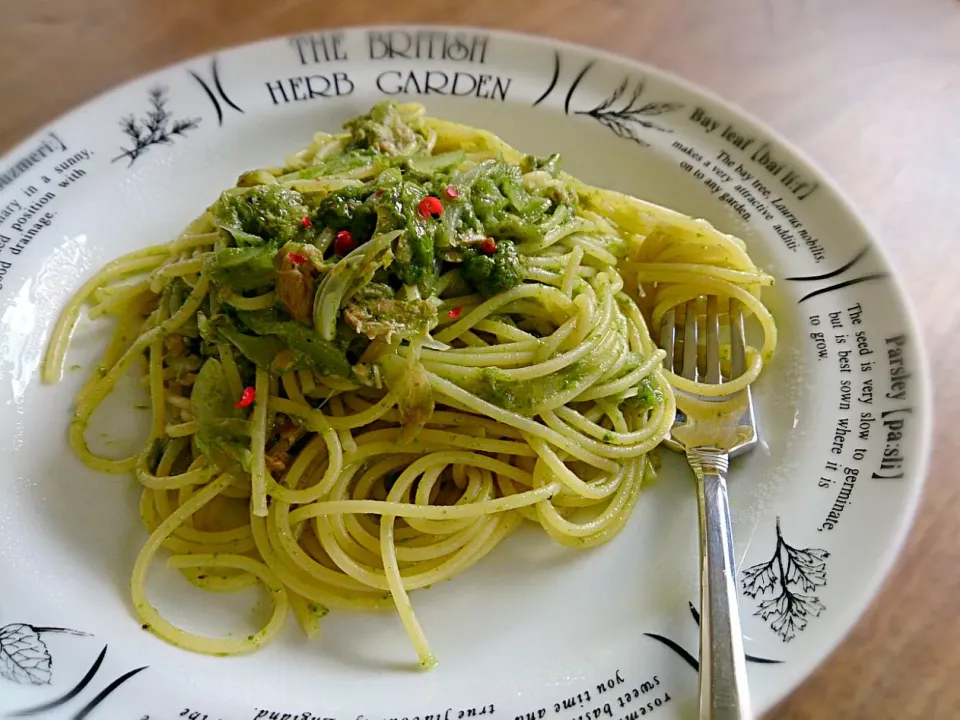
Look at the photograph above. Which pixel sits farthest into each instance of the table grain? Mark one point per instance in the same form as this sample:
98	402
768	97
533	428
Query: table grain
869	88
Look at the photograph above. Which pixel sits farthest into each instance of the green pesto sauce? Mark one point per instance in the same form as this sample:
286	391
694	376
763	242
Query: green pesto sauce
263	213
493	274
523	396
318	609
648	395
382	175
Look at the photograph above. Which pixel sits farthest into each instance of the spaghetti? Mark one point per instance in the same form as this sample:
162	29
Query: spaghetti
368	366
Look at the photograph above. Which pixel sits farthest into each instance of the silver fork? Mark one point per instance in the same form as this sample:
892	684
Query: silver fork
709	431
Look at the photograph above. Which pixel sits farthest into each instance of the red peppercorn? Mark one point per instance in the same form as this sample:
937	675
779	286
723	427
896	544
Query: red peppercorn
246	399
451	192
296	258
305	221
430	206
454	313
488	246
344	242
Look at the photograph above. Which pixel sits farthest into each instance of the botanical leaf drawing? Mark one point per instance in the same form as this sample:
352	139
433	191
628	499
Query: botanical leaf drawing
154	128
789	612
789	571
624	121
759	579
24	657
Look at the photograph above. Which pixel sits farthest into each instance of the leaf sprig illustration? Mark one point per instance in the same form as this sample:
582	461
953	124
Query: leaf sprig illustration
24	657
625	120
790	570
154	128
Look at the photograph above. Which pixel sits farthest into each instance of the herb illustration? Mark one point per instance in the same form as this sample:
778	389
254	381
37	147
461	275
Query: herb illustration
788	572
156	127
626	120
24	657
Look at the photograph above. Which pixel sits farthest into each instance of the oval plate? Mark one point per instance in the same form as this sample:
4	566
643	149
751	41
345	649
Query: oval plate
534	631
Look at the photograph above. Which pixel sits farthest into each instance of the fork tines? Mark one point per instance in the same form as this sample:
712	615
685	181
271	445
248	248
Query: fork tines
694	363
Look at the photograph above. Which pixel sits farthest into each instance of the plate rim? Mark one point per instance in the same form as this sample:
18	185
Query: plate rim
871	591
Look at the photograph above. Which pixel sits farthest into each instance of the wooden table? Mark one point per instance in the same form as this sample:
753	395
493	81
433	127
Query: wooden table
869	88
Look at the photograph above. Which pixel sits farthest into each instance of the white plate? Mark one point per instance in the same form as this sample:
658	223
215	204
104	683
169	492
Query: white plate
534	631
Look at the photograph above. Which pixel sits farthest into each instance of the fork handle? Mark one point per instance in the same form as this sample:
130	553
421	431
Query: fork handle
723	671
